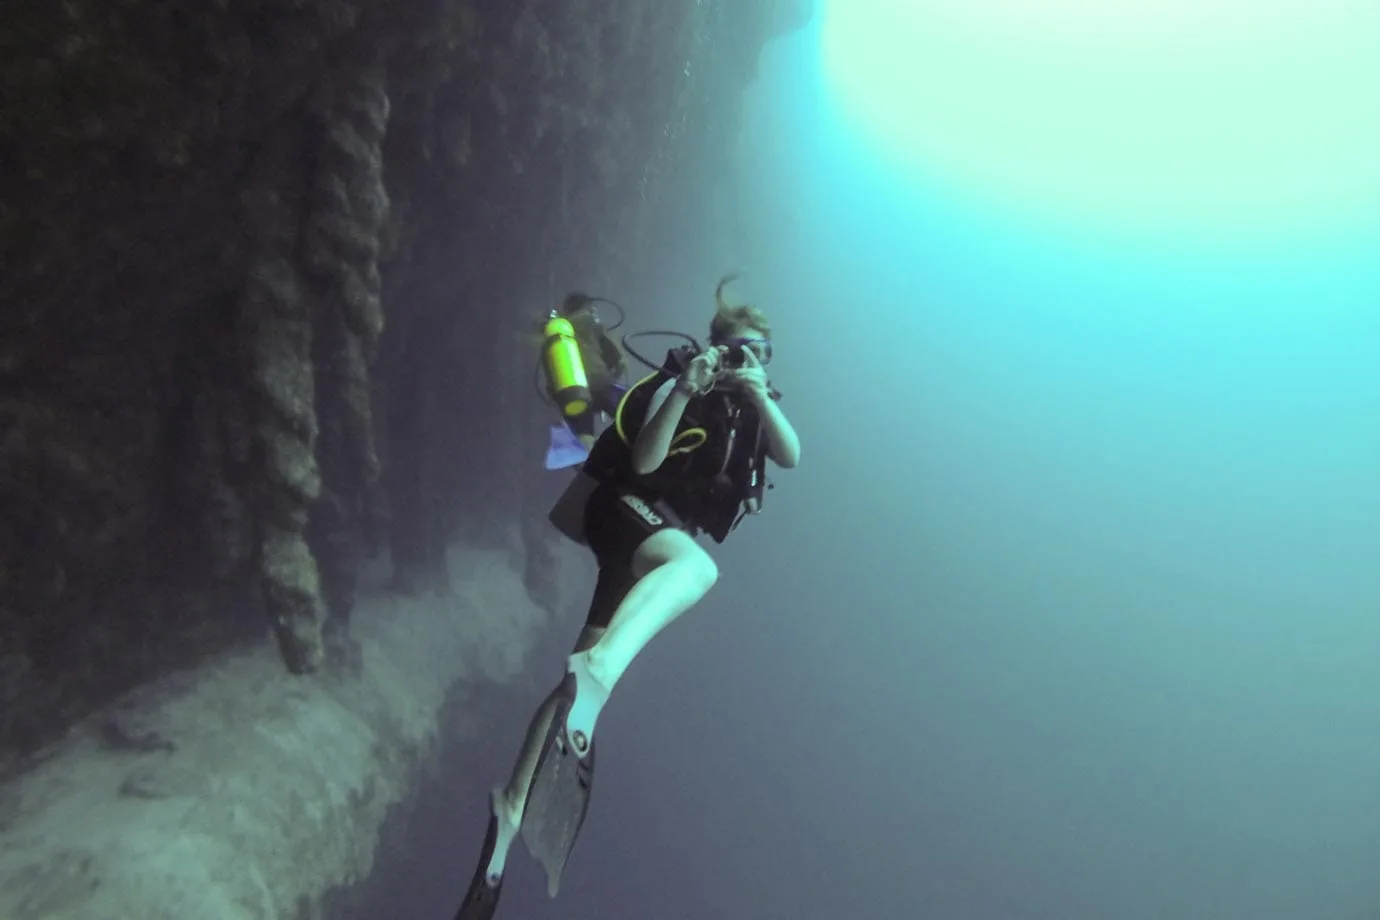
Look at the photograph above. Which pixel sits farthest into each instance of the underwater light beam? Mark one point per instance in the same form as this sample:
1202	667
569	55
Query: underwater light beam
1226	119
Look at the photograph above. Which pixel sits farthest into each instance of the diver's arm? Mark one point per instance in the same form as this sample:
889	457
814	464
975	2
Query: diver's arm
653	442
783	445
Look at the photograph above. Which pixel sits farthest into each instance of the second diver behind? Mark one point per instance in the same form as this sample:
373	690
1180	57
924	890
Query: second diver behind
584	373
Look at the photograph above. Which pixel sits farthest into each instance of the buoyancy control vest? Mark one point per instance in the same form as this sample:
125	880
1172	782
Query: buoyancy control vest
715	471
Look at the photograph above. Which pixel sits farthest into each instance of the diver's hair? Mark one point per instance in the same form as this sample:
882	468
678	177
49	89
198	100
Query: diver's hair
729	317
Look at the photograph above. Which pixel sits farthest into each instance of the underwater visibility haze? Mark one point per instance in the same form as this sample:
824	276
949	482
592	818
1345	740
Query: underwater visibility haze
1070	610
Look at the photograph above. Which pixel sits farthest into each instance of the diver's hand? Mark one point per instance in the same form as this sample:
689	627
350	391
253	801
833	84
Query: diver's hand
750	379
700	374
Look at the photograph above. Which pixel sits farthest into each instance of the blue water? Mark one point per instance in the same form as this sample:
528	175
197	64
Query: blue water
1072	609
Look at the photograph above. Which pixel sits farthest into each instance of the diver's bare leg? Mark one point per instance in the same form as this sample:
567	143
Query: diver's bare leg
513	797
673	573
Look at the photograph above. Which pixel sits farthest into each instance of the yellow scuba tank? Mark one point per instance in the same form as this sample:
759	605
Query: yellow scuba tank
565	369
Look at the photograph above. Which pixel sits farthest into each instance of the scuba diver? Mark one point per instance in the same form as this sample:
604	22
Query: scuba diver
584	372
685	456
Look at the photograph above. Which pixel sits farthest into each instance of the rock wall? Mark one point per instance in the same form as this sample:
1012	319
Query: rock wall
268	272
237	791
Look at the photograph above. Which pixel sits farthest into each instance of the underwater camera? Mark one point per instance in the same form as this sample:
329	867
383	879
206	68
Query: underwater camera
734	358
736	355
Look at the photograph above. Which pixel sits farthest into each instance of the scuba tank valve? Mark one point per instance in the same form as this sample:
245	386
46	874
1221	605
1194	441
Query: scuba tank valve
565	369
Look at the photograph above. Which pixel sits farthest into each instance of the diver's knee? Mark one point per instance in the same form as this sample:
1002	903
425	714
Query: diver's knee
678	551
703	570
662	548
711	571
694	565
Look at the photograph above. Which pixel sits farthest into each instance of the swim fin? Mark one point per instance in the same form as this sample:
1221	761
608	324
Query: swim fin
566	449
482	899
558	799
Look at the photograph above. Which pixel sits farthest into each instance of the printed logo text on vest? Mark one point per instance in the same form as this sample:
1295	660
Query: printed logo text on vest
643	510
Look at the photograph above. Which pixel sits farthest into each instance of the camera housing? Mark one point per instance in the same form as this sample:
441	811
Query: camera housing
735	357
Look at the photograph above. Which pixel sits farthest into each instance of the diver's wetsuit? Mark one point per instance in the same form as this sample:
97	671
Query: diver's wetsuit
617	522
624	510
618	518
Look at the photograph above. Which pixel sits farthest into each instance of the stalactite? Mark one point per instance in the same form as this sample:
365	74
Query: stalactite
275	342
341	244
212	460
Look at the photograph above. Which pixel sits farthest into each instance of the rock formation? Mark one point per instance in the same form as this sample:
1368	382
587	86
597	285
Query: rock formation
267	267
268	271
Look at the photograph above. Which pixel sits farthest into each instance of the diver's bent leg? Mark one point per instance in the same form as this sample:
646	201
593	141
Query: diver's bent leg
678	573
674	574
514	795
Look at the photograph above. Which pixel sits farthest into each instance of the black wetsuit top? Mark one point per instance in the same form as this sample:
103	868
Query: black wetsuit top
702	490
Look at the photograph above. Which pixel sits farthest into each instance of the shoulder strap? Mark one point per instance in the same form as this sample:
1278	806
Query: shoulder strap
632	407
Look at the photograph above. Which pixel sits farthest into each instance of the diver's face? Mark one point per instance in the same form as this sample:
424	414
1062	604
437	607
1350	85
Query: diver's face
752	339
